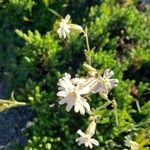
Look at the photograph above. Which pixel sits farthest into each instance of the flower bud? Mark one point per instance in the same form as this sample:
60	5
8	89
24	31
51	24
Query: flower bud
76	28
91	128
91	71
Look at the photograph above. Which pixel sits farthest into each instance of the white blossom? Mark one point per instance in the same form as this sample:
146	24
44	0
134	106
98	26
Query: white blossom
71	91
86	138
132	144
102	85
65	27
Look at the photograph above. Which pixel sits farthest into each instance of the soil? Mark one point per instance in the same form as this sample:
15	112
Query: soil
12	123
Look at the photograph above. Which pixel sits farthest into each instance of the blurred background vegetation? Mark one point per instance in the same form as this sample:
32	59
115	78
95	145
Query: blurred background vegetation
33	58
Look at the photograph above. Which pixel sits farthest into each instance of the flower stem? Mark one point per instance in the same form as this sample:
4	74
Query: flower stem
88	59
87	40
105	105
138	106
55	13
116	117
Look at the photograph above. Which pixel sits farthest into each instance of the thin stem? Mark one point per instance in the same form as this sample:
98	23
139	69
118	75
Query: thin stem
105	105
55	13
87	40
138	106
88	59
116	117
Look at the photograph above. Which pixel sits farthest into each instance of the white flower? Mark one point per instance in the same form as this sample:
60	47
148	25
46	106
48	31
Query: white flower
102	85
64	27
132	144
71	91
86	138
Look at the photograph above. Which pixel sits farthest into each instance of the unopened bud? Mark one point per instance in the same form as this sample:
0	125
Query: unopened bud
76	28
91	71
91	128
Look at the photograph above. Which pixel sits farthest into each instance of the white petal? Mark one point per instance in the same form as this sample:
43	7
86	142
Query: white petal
82	141
90	145
67	18
104	89
63	101
69	106
80	132
78	139
60	82
76	107
90	81
108	73
95	142
62	93
67	75
95	88
75	80
113	82
84	90
58	31
80	84
86	105
61	88
82	110
86	144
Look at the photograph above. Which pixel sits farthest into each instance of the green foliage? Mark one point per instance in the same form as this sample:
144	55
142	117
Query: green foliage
33	58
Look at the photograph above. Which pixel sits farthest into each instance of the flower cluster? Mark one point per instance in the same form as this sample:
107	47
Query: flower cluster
73	91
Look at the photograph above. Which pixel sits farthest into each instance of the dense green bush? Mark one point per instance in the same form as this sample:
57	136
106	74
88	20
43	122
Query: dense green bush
33	58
